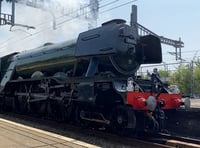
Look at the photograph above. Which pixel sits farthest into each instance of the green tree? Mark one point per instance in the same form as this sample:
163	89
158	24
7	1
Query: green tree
197	77
182	78
164	73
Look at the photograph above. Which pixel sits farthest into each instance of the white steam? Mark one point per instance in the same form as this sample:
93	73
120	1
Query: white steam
22	39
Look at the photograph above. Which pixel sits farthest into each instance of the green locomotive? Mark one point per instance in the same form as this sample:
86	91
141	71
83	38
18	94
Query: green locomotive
83	80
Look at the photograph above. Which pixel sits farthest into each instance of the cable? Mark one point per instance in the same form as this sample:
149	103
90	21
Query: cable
75	11
114	1
72	12
102	7
118	6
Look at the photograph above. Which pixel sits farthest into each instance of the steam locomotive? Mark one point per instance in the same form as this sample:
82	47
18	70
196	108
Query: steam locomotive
90	80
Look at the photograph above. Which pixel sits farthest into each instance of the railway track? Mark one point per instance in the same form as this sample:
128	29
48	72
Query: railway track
173	140
98	137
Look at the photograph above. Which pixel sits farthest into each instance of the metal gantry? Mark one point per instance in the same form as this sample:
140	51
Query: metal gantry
141	31
177	44
9	19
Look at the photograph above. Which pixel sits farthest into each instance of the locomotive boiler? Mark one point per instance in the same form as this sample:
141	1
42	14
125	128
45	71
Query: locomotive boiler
87	80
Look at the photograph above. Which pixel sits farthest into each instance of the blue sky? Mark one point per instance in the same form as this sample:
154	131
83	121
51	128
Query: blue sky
171	18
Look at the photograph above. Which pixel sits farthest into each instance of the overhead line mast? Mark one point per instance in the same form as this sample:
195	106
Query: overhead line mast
9	19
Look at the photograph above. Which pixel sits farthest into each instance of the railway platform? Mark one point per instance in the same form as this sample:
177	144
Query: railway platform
195	103
15	135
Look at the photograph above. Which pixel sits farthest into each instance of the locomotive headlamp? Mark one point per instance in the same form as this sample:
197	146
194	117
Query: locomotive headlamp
151	103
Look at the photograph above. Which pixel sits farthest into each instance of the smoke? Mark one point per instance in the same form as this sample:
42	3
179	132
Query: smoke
72	3
64	12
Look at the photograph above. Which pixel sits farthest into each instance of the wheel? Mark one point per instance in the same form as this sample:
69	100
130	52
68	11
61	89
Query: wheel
123	120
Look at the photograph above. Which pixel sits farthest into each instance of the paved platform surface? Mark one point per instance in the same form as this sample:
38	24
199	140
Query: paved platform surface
195	103
14	135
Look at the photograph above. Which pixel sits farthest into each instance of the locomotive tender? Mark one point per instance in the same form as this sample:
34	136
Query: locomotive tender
90	80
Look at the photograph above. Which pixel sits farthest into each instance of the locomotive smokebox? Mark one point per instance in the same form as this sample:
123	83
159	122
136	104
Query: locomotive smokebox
121	45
